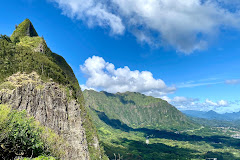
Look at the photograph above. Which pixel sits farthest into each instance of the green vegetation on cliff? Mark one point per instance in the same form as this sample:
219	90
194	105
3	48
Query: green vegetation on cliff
25	52
137	110
23	136
24	29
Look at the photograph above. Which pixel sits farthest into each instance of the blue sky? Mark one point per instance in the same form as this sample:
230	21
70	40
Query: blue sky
186	52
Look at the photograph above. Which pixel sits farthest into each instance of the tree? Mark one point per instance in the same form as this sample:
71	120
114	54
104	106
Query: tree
5	37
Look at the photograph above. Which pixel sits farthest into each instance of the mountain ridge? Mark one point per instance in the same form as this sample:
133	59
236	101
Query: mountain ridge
137	110
119	135
35	79
211	115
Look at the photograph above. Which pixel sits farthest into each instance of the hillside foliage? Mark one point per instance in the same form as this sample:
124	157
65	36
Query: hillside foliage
18	54
137	110
23	136
122	141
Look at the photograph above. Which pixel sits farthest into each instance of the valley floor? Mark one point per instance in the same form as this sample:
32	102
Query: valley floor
131	145
196	144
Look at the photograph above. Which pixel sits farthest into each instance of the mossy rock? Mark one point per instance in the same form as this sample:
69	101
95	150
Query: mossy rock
32	42
25	28
39	158
7	85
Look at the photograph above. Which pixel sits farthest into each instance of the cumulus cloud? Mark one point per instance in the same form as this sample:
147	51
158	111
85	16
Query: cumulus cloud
219	103
181	99
233	81
166	98
211	103
84	87
186	25
222	103
185	103
102	75
93	12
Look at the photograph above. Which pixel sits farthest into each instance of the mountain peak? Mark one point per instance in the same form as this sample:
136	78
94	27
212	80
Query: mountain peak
212	112
25	28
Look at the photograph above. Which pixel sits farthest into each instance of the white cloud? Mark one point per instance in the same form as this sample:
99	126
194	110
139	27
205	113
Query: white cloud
222	103
103	75
166	98
186	25
180	99
93	12
211	103
84	87
185	103
233	81
197	84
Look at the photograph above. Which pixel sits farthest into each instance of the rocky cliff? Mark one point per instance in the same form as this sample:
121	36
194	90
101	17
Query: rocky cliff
48	103
34	79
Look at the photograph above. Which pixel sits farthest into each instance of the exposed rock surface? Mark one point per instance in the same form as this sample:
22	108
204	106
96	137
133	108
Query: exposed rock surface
26	28
40	48
52	106
30	30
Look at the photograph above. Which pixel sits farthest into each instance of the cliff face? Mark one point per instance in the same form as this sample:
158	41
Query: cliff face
35	79
48	103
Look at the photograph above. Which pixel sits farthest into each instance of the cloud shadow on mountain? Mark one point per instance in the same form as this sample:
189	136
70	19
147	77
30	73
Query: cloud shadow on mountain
215	141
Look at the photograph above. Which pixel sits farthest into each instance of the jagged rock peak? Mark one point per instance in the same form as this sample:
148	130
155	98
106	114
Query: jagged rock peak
25	28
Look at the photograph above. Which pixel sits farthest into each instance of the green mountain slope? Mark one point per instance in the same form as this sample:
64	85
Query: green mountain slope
25	52
123	140
25	56
137	110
